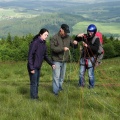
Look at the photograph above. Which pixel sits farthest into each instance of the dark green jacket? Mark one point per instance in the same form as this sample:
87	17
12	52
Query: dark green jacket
57	48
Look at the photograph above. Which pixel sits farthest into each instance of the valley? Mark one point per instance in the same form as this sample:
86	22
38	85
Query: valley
20	19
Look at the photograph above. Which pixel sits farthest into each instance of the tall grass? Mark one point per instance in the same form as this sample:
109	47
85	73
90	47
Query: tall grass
73	103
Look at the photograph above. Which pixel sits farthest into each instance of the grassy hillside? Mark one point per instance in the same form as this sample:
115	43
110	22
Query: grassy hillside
102	12
74	103
106	28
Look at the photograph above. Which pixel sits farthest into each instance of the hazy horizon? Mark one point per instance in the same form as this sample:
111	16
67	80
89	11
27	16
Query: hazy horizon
84	1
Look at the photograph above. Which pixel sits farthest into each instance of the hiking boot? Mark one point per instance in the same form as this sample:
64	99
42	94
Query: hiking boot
81	85
90	87
56	94
60	89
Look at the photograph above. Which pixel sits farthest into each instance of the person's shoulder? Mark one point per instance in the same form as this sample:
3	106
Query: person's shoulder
35	41
69	37
97	39
55	36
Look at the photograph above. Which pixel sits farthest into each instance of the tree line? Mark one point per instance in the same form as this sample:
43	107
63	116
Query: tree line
16	48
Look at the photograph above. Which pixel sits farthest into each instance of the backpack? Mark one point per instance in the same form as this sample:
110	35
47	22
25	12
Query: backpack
100	54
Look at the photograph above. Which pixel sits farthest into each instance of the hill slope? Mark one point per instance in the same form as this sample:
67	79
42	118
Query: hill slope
29	18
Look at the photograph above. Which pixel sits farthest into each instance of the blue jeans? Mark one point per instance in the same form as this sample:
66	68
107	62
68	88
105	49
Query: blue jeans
58	76
34	83
83	69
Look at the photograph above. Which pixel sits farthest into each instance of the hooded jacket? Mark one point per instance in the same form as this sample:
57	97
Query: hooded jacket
37	53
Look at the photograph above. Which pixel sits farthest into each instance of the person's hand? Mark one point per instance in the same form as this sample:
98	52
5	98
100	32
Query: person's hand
75	42
80	35
84	44
66	48
33	71
53	66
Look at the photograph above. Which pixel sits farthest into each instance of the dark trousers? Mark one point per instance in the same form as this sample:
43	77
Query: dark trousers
34	83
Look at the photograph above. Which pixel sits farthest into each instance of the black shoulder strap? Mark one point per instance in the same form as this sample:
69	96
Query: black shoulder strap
93	40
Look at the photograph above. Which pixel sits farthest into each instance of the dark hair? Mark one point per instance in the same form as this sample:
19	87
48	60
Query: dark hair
43	30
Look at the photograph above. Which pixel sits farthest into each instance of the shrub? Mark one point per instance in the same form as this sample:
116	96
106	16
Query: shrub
109	50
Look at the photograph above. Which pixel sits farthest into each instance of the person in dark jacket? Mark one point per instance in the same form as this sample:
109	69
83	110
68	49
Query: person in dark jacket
60	44
37	53
89	51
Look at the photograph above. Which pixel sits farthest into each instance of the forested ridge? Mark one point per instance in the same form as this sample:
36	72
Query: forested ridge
16	49
52	22
21	22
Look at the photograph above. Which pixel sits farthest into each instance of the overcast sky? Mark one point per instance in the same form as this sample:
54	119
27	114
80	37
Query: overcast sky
59	0
83	1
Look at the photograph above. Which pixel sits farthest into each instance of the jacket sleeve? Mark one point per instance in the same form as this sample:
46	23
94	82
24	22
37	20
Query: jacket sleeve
72	44
78	39
47	59
31	55
55	47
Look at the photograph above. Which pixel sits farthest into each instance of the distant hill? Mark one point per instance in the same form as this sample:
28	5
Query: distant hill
52	22
20	18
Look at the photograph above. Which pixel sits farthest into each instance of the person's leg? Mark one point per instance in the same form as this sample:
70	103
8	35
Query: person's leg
56	77
62	75
34	84
82	76
38	79
91	72
91	77
82	72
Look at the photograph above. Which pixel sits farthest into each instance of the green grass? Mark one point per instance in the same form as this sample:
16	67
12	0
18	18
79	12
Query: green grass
74	103
105	28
